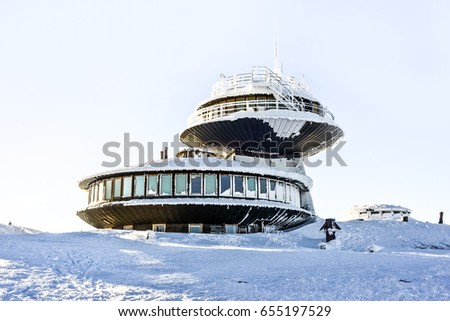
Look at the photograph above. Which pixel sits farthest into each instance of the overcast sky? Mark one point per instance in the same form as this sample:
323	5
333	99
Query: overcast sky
77	74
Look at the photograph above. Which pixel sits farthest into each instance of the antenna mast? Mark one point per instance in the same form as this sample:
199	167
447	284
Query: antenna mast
277	66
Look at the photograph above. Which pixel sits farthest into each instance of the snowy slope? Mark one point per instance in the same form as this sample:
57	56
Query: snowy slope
11	229
370	260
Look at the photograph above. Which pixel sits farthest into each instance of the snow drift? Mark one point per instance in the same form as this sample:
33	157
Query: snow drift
369	260
11	229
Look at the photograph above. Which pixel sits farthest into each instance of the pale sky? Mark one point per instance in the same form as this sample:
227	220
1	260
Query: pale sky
77	74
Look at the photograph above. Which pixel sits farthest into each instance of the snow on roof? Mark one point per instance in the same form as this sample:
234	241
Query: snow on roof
379	207
206	164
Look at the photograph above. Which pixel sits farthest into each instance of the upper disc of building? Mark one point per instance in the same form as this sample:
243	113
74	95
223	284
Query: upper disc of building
262	114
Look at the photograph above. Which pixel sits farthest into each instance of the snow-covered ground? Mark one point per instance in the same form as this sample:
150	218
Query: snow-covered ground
370	260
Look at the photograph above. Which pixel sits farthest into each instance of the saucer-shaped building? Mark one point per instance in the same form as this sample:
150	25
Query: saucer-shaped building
242	171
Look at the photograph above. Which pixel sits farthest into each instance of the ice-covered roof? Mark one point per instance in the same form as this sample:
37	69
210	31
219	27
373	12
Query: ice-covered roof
376	211
379	207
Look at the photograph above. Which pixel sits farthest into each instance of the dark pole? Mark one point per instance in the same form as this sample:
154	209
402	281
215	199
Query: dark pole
441	218
330	226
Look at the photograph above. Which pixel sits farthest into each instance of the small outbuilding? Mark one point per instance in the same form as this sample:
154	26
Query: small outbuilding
378	212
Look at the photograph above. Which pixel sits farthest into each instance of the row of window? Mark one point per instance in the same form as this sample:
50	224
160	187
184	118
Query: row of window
255	101
197	228
193	184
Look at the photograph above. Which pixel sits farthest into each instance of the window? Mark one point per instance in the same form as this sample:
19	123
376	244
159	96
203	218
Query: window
127	186
242	105
195	228
95	193
263	188
251	187
152	185
108	189
196	184
272	189
101	191
238	186
210	184
166	184
280	191
91	194
296	196
230	229
225	185
181	184
288	193
117	187
139	186
159	227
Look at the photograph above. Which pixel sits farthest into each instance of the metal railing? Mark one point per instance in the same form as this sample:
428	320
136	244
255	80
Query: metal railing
288	95
225	109
260	76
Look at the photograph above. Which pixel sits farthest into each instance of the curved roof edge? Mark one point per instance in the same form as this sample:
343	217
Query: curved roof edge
281	113
203	201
